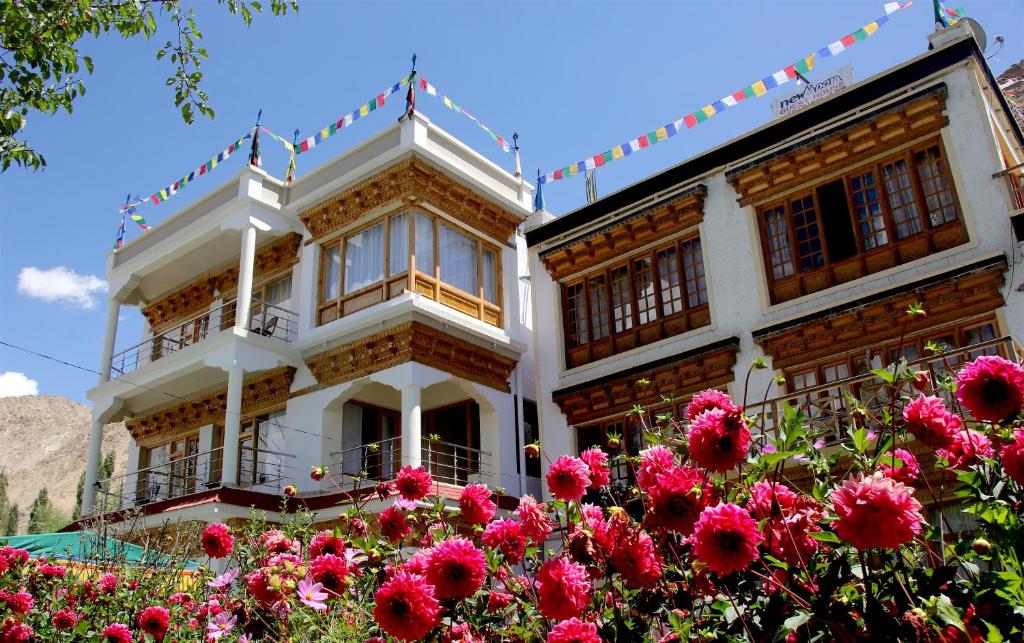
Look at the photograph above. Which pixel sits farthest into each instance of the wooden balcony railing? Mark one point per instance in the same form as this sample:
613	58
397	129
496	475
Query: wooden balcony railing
1014	177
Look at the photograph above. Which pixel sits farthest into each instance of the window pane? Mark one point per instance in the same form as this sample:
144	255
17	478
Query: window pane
938	196
808	236
622	299
458	260
364	258
424	243
490	274
693	266
905	213
780	254
668	277
868	211
332	271
598	306
279	293
646	300
575	315
399	253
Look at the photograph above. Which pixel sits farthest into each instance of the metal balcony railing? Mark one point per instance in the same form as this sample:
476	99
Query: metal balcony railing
826	407
1014	177
266	319
261	470
447	462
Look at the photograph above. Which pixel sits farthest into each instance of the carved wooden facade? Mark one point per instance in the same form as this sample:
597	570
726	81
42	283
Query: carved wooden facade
260	392
614	396
945	300
198	294
640	228
411	180
412	342
836	151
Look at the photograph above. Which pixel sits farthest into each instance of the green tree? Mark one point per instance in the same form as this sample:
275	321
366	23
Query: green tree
9	521
42	68
5	509
44	517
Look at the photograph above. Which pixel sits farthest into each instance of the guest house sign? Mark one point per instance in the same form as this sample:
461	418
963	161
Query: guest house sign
817	90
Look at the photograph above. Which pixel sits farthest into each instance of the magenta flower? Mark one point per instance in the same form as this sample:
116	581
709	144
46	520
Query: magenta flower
224	579
311	594
221	625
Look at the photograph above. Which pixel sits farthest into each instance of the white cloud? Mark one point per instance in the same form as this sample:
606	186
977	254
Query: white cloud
13	383
60	285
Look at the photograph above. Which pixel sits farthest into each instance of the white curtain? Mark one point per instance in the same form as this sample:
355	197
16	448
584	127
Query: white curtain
271	466
364	258
458	260
332	272
279	293
424	244
490	274
399	253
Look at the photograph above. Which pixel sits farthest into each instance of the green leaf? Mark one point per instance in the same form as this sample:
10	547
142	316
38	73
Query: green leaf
949	615
796	621
824	536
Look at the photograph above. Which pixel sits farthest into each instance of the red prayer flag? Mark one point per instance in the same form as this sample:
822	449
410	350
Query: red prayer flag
690	120
848	40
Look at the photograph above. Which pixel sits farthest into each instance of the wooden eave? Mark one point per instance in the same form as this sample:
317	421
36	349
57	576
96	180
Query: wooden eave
870	136
411	181
620	237
410	342
674	377
953	295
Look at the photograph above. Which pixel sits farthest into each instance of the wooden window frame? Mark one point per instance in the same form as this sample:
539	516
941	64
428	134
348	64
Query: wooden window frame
896	251
424	280
635	334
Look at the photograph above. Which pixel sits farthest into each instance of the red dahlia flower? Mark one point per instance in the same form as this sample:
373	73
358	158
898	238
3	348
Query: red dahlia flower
393	524
636	560
928	420
677	499
725	538
13	631
707	400
275	542
771	499
413	484
154	621
534	519
965	448
907	473
876	511
568	478
18	602
719	440
107	583
653	461
65	619
405	607
507	537
456	568
49	570
325	542
574	631
117	633
217	541
1013	457
475	504
992	388
497	601
600	473
564	588
331	572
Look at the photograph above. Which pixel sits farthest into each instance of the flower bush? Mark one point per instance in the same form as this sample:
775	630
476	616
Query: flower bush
728	528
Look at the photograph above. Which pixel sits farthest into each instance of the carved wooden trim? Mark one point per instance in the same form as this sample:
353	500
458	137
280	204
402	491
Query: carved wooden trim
260	392
684	377
948	301
635	231
411	342
198	294
411	180
840	150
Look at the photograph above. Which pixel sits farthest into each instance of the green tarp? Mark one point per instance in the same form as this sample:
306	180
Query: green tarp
83	546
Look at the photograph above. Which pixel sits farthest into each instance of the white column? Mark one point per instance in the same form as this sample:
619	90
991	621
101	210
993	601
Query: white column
92	466
204	461
412	439
245	273
232	427
109	337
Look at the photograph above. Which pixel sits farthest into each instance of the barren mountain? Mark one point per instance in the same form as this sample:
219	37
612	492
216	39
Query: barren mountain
44	441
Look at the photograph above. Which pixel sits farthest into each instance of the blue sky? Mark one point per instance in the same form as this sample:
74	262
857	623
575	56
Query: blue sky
573	78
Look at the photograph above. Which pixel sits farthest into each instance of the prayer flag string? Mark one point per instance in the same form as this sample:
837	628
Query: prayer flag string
754	90
431	90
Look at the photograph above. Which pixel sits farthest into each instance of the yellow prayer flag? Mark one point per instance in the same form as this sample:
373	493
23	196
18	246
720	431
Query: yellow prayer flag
709	110
661	133
617	152
871	28
759	88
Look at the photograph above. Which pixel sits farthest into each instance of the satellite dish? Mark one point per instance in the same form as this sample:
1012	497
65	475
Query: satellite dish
979	32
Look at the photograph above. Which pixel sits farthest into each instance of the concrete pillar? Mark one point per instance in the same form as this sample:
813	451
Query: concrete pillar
92	465
412	439
232	425
205	459
109	337
245	274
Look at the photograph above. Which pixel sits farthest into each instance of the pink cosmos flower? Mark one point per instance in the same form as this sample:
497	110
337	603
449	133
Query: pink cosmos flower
311	594
224	579
221	625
